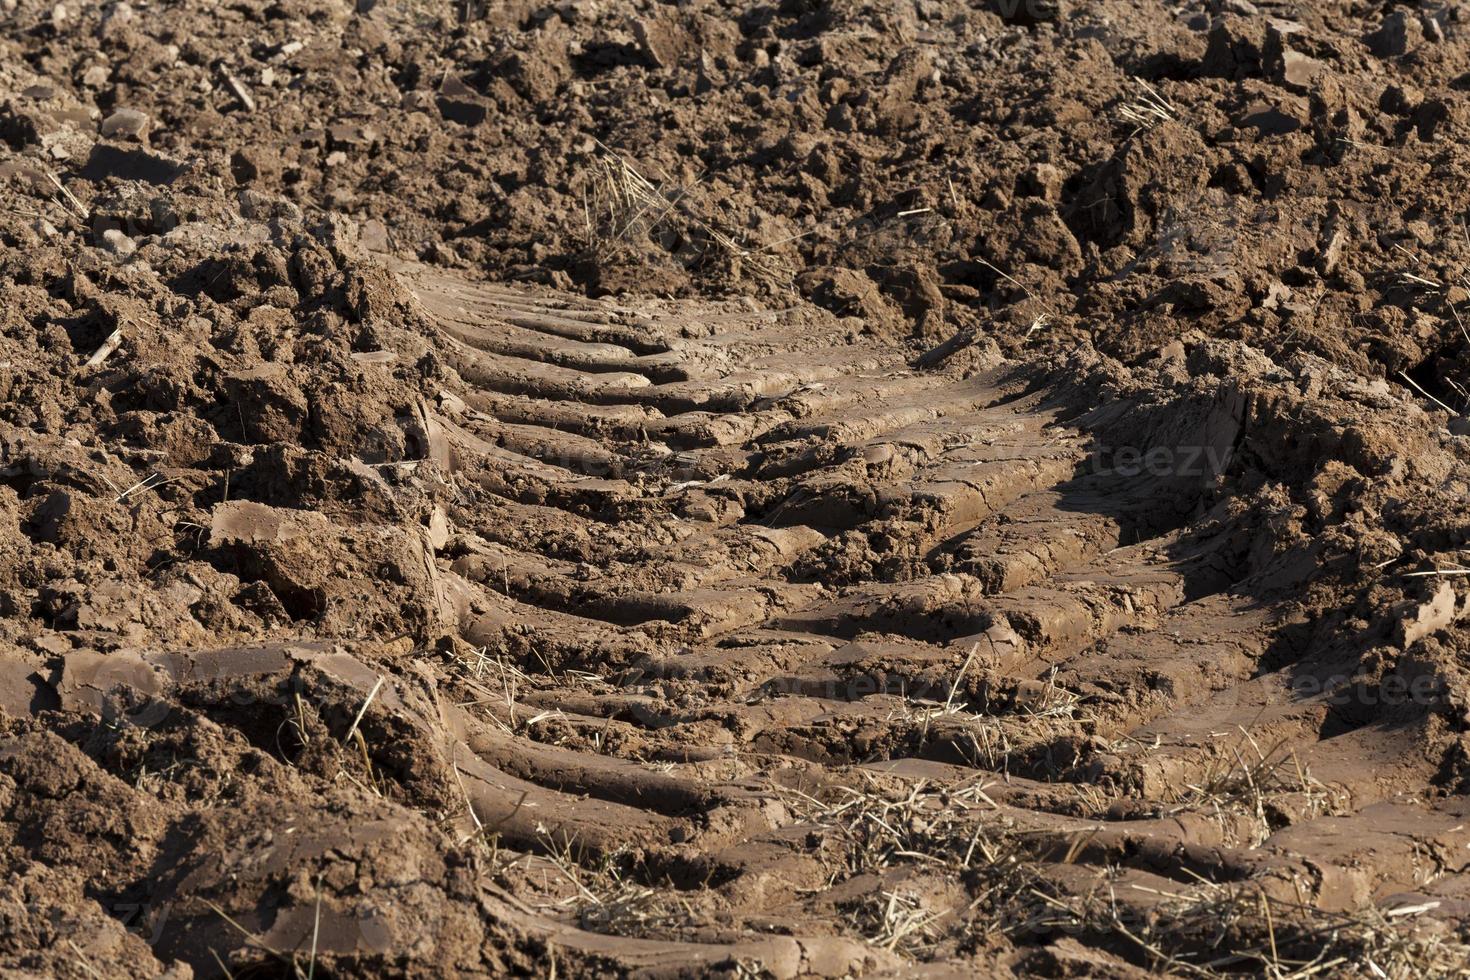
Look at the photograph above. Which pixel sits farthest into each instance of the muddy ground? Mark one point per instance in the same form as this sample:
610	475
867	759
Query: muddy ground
597	489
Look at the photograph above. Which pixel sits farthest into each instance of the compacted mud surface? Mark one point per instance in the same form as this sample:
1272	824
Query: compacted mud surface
753	490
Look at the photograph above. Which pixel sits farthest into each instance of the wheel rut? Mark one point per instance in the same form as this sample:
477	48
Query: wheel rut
757	639
759	561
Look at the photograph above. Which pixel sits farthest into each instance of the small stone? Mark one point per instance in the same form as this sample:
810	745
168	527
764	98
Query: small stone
374	236
335	159
96	76
126	124
117	243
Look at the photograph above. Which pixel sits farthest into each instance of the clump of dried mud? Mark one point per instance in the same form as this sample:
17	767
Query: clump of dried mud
803	488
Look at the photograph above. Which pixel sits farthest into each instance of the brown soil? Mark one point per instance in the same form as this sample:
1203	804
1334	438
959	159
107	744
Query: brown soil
807	488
